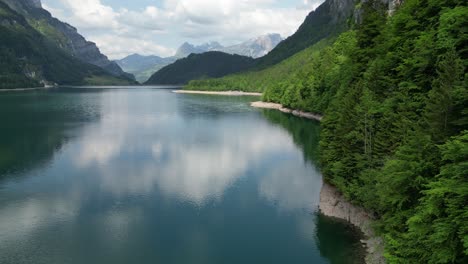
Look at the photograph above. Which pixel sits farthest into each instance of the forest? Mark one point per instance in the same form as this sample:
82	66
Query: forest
394	139
201	66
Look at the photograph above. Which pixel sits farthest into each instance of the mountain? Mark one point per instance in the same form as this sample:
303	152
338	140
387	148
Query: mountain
64	35
326	22
330	18
142	67
187	49
210	64
30	59
254	48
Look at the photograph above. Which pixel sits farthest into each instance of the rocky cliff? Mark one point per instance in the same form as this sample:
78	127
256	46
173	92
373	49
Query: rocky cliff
64	35
334	204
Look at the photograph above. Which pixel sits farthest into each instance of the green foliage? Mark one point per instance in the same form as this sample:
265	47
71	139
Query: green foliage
386	136
394	138
262	80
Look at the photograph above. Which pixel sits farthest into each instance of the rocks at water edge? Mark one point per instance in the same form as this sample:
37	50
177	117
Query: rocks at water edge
334	204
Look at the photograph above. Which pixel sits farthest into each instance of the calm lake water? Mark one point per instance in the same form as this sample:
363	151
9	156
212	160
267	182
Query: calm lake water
149	176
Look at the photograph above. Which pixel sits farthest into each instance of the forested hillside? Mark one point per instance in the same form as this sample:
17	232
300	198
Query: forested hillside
199	66
395	133
329	19
27	58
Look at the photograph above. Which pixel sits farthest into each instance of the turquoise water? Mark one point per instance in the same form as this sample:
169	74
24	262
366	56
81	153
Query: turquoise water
149	176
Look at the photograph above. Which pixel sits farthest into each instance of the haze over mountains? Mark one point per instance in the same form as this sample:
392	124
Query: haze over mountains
144	66
255	48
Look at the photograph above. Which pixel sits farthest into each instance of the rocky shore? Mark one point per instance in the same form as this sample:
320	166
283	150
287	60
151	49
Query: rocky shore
279	107
334	204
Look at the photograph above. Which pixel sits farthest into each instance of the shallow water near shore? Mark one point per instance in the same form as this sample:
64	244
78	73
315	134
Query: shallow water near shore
149	176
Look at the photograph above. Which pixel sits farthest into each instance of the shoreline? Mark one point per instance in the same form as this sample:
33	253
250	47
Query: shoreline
266	105
25	89
228	93
334	204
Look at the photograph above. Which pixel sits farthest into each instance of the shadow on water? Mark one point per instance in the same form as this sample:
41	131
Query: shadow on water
305	133
338	241
35	125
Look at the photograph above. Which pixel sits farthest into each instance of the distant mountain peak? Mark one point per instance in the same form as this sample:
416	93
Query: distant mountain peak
255	47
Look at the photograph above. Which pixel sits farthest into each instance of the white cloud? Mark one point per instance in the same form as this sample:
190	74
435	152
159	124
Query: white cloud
159	30
120	46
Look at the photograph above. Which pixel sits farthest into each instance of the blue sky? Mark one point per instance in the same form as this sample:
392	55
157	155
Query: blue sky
159	27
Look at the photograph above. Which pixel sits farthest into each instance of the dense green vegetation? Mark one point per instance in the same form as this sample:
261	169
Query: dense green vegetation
394	137
395	133
259	81
199	66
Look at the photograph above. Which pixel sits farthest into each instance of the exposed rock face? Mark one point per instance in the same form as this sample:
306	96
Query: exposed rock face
391	6
186	49
86	50
255	48
72	41
36	3
334	204
341	9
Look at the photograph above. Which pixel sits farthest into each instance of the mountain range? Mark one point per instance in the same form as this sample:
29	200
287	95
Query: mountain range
327	21
255	48
144	66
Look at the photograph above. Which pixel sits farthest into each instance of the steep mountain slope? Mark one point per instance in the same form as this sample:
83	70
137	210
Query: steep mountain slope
64	35
198	66
142	67
329	19
28	59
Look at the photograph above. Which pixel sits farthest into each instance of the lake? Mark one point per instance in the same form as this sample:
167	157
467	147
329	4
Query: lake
92	175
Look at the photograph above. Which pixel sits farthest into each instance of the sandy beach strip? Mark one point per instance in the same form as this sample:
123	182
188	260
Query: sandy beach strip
279	107
229	93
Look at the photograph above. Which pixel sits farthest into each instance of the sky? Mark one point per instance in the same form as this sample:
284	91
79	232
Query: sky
159	27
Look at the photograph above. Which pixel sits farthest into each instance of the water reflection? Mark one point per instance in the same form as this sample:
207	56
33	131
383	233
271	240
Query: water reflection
191	160
35	125
150	176
292	191
305	133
